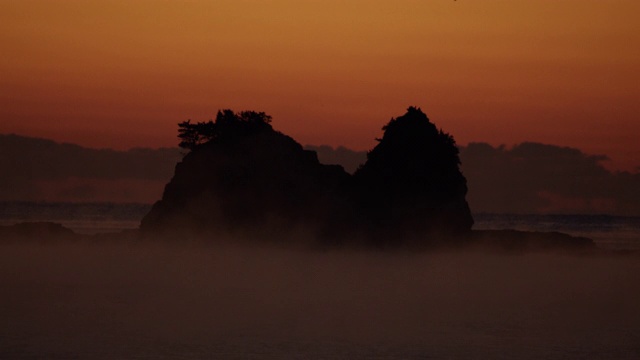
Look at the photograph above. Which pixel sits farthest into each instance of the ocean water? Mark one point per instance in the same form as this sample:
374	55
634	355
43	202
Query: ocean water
83	218
114	300
170	301
613	232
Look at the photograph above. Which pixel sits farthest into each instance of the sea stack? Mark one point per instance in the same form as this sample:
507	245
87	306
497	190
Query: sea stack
243	177
411	186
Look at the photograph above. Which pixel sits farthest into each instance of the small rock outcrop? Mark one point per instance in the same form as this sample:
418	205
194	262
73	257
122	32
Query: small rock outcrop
530	241
42	231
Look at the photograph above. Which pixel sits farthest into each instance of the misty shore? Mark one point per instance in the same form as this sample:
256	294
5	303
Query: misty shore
117	299
507	295
506	240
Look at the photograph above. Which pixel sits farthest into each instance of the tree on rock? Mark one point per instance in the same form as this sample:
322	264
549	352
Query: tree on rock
243	177
227	124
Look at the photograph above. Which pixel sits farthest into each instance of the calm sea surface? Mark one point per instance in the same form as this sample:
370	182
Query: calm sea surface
175	301
83	218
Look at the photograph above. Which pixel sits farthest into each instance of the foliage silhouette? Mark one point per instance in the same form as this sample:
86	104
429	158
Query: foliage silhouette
227	124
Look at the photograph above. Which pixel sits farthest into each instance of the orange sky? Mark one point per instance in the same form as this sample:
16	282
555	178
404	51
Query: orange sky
107	73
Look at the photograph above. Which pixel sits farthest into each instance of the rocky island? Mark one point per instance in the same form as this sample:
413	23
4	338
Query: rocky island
242	179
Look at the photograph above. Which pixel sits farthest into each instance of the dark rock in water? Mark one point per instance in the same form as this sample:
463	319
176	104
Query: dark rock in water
514	240
411	183
242	176
36	231
248	178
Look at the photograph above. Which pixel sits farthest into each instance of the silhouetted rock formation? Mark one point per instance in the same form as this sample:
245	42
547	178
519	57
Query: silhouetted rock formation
242	176
411	183
247	178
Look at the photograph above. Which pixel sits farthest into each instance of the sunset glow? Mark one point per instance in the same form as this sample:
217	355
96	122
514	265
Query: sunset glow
122	74
320	179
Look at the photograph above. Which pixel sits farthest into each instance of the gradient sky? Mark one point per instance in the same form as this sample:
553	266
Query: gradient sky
121	74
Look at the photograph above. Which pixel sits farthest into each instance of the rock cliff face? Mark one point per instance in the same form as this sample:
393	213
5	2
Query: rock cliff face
247	178
256	181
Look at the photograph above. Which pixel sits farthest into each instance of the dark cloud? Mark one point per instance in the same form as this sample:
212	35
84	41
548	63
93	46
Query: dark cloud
530	178
526	178
40	159
533	177
40	169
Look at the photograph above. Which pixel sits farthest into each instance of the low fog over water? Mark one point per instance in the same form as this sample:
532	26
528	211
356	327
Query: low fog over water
117	300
